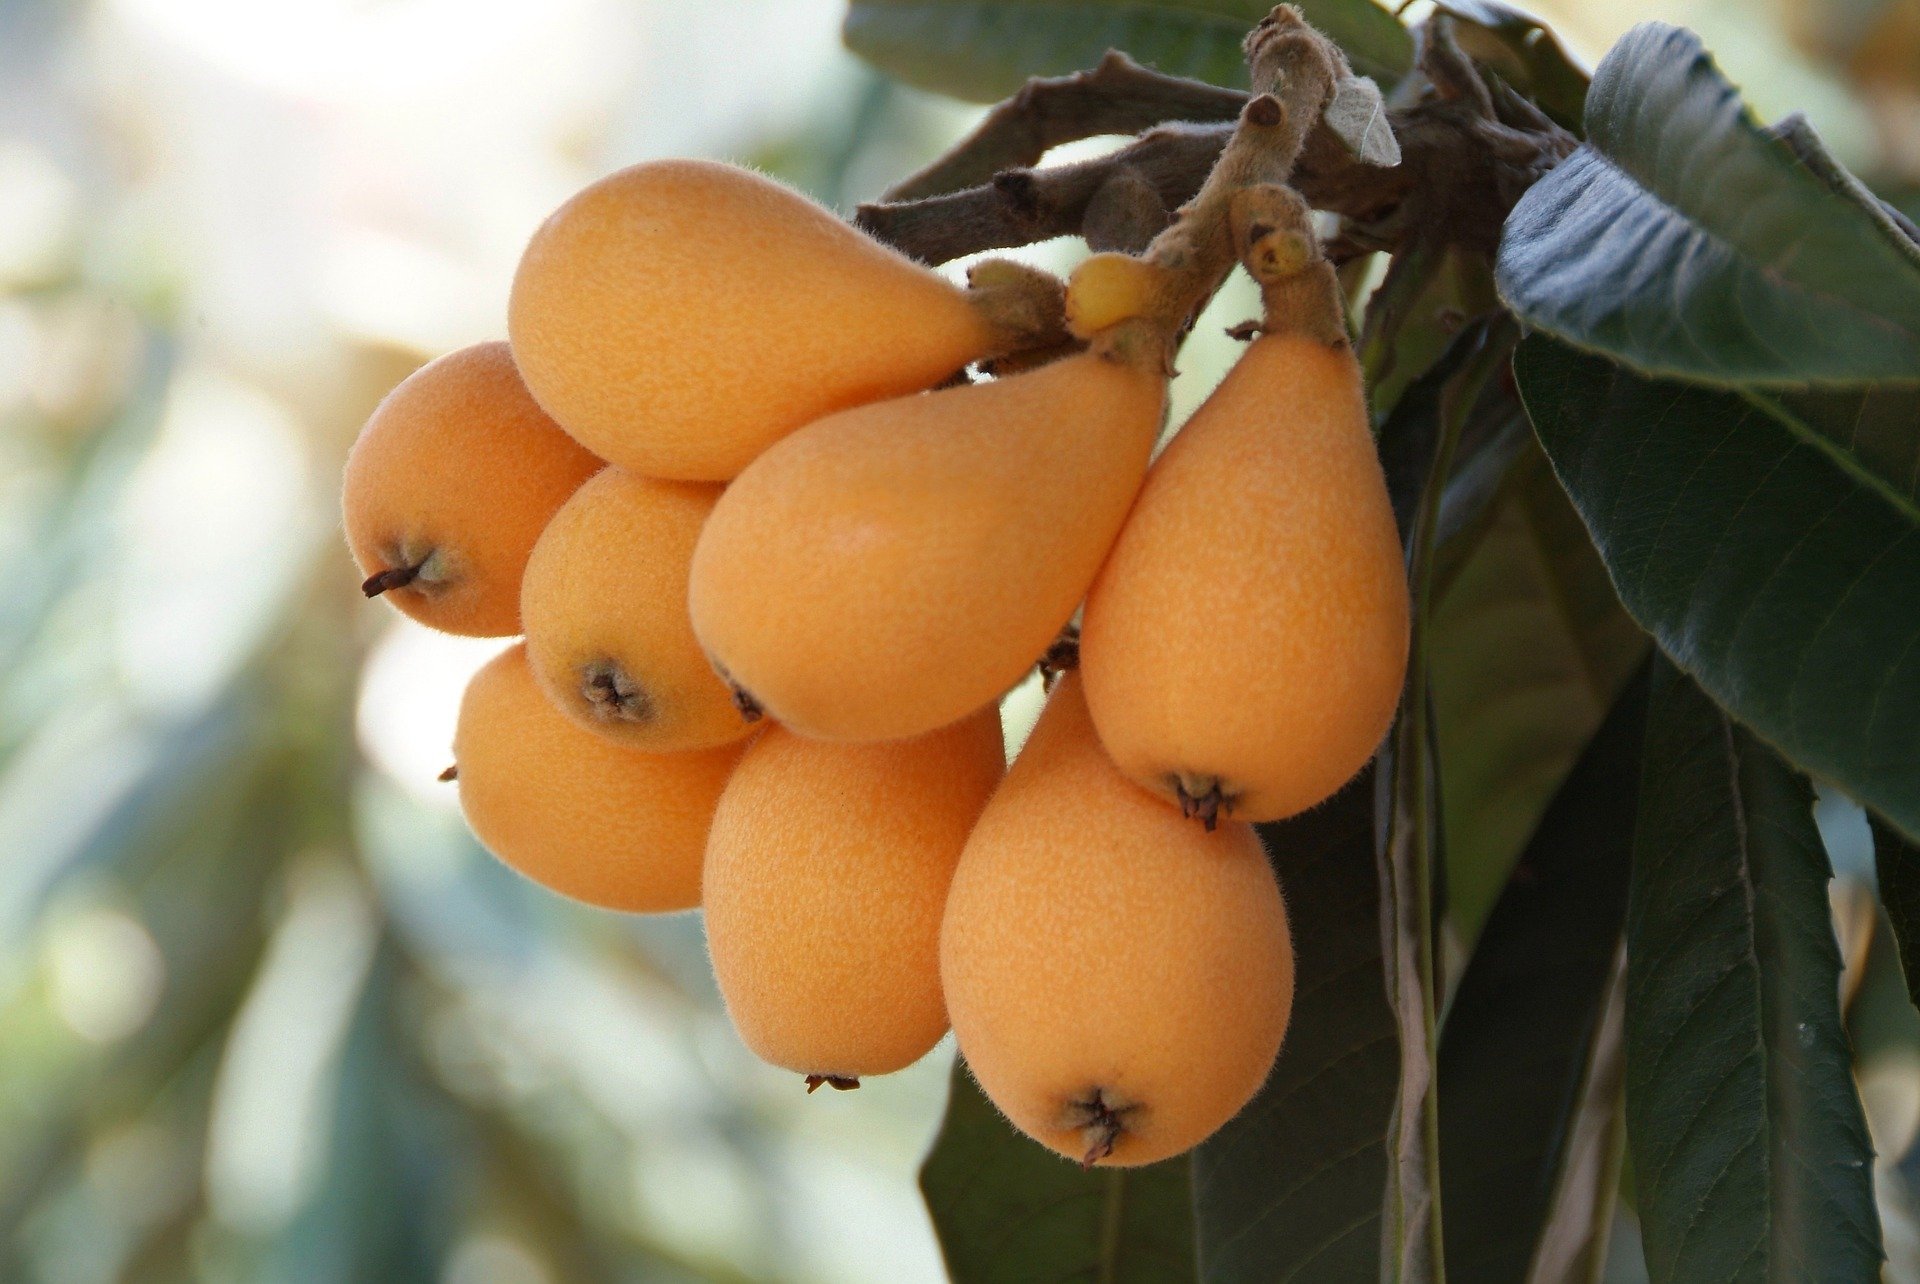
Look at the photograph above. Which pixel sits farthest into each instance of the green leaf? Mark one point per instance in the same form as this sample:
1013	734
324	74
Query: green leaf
984	50
1771	562
1519	1045
1412	848
1008	1210
1750	1153
1684	239
1530	646
1896	861
1410	433
1797	133
1874	432
1290	1189
1525	51
1413	317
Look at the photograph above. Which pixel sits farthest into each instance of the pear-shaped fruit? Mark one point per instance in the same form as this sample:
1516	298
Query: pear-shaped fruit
576	812
826	875
605	607
890	569
1119	978
449	485
1246	642
680	316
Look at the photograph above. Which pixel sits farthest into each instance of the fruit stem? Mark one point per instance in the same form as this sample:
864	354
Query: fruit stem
450	775
838	1082
1023	307
1299	289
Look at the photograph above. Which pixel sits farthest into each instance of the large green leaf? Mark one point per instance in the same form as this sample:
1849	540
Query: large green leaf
1684	239
1009	1211
1290	1189
1750	1153
1521	1034
1529	648
1896	862
986	49
1771	562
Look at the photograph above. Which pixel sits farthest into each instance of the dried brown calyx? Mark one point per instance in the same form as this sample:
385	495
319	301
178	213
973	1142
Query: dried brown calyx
1202	798
612	694
1101	1122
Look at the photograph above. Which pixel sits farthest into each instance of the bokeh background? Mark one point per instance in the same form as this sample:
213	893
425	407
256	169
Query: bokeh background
266	1011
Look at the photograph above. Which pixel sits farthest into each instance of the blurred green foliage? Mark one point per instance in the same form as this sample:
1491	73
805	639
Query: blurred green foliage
266	1011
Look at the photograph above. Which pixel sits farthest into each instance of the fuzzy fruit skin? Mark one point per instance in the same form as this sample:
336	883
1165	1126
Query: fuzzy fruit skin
681	316
892	568
575	812
826	875
608	583
459	462
1095	939
1251	623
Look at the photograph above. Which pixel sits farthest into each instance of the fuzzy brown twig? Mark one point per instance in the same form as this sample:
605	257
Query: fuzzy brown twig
1468	151
1299	290
1118	96
1022	206
1295	72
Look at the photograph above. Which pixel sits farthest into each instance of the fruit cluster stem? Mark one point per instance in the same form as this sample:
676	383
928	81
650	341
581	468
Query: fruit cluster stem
1469	148
1294	73
1299	289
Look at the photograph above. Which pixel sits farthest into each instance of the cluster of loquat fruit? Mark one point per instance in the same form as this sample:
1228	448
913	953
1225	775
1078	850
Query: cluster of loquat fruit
776	558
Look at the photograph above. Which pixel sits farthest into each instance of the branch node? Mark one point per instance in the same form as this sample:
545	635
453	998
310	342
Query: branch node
1018	189
1264	111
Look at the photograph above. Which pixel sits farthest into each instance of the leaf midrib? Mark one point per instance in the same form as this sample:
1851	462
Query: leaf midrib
1743	840
1906	505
